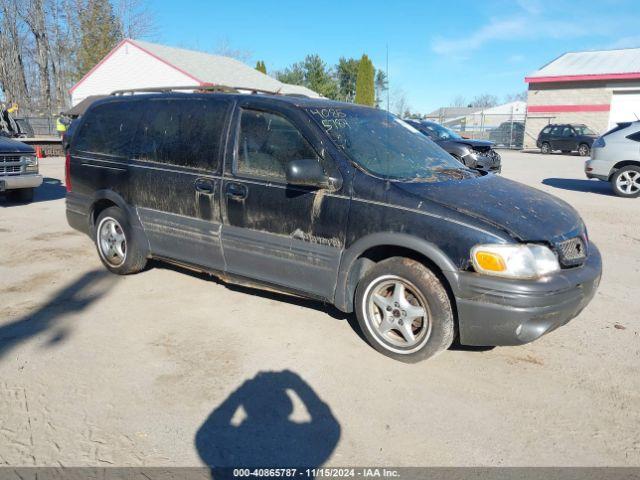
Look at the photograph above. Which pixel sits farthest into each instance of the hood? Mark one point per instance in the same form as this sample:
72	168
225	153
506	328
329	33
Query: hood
473	143
526	213
8	145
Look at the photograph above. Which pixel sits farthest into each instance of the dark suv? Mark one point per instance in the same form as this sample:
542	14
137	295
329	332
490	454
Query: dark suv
478	154
341	203
567	138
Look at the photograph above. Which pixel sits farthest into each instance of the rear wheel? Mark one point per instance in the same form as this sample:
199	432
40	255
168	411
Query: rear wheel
545	148
626	182
118	247
404	310
583	150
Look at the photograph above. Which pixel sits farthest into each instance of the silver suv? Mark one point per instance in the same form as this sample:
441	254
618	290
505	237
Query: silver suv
19	175
615	158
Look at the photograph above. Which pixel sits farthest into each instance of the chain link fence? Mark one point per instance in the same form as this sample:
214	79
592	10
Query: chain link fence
41	126
505	130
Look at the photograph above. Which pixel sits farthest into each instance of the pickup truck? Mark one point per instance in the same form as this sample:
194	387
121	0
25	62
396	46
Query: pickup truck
19	175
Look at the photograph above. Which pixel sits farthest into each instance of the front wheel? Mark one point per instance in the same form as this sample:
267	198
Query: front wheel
119	249
583	150
626	182
404	310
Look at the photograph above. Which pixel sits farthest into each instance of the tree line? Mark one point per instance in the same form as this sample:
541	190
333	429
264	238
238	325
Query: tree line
48	45
351	80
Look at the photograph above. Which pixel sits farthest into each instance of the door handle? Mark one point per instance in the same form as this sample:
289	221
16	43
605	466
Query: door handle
237	191
205	186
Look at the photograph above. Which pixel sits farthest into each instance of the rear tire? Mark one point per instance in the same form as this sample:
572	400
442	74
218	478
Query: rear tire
584	150
545	148
626	182
118	247
404	311
22	195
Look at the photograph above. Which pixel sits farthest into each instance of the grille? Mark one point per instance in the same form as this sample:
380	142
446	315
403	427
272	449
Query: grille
9	158
5	169
572	251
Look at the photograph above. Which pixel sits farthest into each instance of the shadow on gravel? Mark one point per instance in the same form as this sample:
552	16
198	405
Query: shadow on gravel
51	189
254	427
588	186
73	298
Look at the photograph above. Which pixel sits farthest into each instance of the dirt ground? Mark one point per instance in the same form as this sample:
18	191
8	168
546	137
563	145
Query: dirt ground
166	367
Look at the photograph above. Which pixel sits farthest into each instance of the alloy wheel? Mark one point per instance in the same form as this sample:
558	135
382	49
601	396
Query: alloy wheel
628	182
112	242
397	313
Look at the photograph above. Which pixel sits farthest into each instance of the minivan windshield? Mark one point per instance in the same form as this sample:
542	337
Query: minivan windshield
386	146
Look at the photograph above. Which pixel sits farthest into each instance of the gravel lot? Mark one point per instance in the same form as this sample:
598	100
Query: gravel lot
166	367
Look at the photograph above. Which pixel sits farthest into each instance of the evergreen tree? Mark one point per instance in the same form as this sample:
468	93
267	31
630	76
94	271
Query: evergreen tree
318	77
261	67
347	73
365	91
99	31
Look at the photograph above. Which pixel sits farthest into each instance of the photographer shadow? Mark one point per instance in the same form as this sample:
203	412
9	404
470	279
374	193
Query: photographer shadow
272	420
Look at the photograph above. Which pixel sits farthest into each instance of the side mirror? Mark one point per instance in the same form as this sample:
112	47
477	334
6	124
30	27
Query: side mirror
308	173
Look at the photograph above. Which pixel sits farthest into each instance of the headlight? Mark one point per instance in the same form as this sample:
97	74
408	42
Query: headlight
31	163
514	260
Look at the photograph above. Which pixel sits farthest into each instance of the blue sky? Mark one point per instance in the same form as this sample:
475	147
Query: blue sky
437	50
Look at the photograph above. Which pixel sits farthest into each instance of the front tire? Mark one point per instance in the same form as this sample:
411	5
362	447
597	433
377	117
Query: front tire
22	195
404	311
626	182
545	148
118	247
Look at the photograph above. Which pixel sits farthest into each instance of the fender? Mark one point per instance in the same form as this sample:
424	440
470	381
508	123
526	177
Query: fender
131	212
352	268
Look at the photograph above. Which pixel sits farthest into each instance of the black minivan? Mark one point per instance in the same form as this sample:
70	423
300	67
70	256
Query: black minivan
342	203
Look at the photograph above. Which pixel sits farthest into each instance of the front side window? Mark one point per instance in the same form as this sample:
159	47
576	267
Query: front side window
386	146
584	130
266	143
567	132
546	130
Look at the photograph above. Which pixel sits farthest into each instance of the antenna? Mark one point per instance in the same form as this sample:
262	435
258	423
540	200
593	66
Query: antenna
388	82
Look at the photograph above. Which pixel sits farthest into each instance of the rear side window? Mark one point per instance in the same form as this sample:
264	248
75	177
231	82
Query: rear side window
634	136
182	132
267	142
109	128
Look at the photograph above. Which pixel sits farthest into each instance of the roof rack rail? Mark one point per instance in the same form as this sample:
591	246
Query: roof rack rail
196	88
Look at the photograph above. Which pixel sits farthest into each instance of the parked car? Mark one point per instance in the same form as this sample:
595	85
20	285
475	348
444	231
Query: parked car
508	134
615	158
19	175
567	138
478	154
333	201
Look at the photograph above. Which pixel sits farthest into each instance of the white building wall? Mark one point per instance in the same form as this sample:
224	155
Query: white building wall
128	67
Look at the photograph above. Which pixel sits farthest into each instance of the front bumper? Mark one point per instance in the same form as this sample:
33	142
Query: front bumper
496	311
487	162
12	182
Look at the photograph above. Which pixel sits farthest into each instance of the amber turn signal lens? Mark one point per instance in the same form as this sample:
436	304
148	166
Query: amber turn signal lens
490	261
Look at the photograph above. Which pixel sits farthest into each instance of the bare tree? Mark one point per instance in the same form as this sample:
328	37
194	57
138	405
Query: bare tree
137	19
224	48
399	102
516	97
485	100
458	101
13	79
33	15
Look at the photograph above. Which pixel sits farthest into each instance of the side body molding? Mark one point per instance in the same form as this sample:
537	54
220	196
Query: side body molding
352	268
